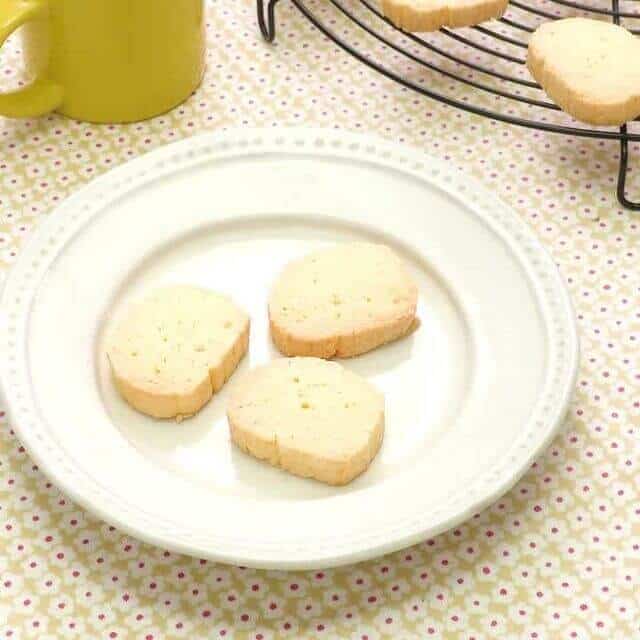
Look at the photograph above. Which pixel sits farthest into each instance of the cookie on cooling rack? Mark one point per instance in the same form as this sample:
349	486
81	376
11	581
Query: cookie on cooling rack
591	69
430	15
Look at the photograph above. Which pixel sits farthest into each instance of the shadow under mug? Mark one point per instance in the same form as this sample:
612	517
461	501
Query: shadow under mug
105	60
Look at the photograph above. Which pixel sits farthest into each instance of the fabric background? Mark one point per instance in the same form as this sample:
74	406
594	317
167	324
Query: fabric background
557	557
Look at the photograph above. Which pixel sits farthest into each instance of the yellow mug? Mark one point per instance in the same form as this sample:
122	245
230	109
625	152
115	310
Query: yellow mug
105	60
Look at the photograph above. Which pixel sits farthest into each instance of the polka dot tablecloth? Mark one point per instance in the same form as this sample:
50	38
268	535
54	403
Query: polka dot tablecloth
557	557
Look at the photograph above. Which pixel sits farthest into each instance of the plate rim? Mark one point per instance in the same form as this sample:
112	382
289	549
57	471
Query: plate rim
82	205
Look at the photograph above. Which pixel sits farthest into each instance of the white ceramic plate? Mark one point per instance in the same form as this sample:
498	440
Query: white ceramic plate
472	397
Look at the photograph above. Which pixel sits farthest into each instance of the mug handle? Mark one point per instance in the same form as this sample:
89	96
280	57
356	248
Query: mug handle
42	95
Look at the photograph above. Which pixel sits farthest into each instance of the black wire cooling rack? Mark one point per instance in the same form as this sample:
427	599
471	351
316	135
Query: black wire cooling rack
488	58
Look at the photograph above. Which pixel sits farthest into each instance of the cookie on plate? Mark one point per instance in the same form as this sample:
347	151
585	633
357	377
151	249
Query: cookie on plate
590	68
175	349
431	15
308	416
342	302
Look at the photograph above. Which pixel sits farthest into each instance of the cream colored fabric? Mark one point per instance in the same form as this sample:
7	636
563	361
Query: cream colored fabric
557	555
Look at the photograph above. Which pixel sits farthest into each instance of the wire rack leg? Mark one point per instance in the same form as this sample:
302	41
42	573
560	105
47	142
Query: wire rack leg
267	22
624	143
622	173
